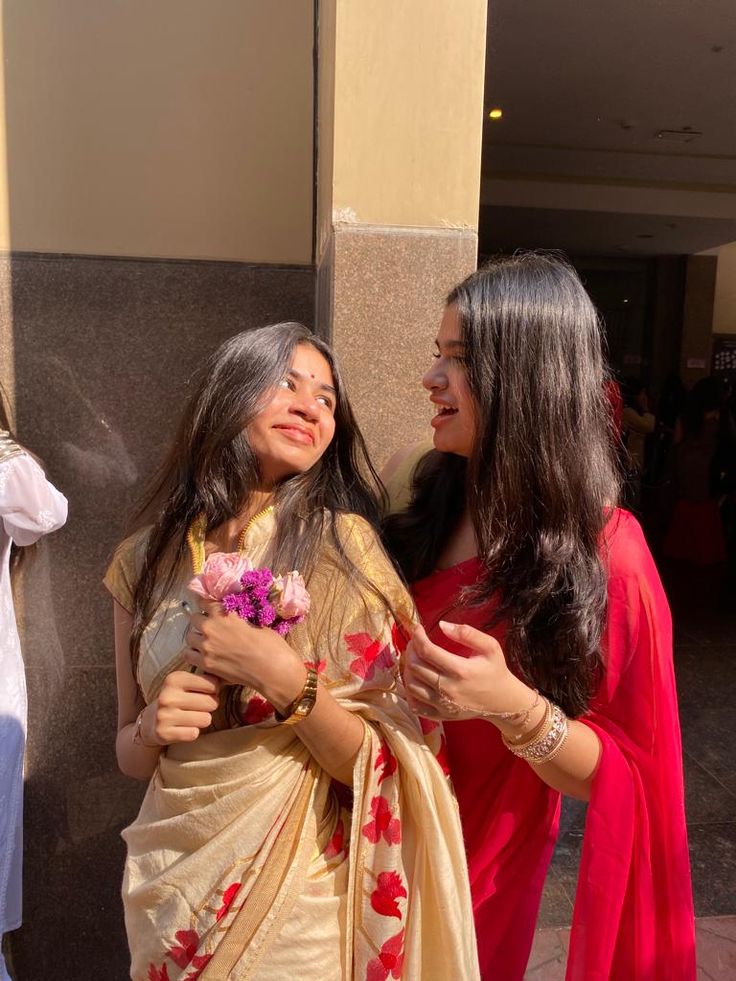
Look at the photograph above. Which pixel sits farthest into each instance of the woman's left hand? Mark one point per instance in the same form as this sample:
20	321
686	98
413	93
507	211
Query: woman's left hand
228	647
442	685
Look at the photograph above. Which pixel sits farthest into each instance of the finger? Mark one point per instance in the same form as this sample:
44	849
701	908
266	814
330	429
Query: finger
196	623
194	701
436	657
423	709
183	718
421	691
468	636
209	684
211	608
418	671
193	638
196	659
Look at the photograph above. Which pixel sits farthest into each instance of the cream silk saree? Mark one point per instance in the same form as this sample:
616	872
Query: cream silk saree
247	861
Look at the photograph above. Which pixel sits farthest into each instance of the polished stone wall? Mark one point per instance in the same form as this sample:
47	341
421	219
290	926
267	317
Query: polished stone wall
101	353
381	295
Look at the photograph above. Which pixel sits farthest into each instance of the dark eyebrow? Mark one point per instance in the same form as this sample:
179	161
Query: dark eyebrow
301	377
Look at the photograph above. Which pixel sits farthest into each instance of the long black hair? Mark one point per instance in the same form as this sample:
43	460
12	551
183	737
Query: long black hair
211	470
541	478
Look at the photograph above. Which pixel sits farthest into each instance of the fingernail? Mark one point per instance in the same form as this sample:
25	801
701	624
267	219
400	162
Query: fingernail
448	627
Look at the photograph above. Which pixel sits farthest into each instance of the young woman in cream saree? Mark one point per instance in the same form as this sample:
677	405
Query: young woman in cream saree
282	835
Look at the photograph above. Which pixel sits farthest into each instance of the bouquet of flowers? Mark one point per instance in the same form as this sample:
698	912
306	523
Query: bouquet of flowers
256	595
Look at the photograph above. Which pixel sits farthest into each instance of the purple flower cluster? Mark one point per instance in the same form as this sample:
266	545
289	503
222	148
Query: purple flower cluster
254	602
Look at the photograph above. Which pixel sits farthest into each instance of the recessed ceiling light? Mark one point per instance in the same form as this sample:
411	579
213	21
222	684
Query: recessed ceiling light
495	114
626	301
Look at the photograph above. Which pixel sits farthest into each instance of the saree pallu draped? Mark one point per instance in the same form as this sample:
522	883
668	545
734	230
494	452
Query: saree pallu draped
633	915
246	861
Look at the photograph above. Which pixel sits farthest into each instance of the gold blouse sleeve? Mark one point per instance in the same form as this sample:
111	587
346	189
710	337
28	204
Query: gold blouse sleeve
122	573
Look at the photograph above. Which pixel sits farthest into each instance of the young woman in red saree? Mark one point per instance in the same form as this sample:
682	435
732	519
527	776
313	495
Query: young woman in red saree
548	643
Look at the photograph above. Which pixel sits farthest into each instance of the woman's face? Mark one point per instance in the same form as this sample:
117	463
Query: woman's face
296	426
446	381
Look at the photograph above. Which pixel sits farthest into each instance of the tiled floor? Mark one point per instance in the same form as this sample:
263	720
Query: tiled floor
716	939
705	663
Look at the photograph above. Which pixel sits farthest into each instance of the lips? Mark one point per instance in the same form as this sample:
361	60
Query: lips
298	434
444	413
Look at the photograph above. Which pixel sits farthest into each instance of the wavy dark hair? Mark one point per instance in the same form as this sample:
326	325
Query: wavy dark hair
211	469
542	475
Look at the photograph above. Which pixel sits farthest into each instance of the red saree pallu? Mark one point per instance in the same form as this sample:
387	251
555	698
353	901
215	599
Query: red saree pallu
633	916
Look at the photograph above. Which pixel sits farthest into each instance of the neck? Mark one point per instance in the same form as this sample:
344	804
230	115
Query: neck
226	535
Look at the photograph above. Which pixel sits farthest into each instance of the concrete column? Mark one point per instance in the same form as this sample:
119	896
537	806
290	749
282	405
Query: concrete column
399	118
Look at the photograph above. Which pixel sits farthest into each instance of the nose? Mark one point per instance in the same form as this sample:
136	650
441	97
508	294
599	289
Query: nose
435	378
306	406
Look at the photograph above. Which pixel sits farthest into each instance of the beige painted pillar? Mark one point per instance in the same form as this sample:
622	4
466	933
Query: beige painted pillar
399	118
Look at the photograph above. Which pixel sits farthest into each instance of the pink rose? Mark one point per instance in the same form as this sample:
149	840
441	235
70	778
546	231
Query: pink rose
290	596
221	575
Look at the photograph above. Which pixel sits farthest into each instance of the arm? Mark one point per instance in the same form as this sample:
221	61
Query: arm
30	506
240	654
639	422
182	709
442	685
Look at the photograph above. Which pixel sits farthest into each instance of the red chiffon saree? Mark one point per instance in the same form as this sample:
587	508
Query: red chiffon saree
633	917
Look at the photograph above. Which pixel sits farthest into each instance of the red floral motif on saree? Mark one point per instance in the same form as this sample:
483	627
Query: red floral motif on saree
399	637
438	748
256	710
227	897
336	844
386	761
389	962
158	974
317	666
389	888
183	954
384	824
370	655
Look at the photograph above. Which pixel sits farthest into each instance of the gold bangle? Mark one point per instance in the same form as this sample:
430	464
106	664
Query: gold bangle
302	704
544	747
537	733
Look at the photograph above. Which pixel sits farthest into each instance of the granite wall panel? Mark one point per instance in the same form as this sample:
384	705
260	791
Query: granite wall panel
102	350
383	289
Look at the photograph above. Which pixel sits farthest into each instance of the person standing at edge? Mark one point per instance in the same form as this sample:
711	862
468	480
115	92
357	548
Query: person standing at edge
29	507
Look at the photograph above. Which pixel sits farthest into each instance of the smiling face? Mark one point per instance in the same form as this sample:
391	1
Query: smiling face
297	424
454	424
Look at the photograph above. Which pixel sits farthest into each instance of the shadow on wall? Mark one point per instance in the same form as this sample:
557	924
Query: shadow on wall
103	350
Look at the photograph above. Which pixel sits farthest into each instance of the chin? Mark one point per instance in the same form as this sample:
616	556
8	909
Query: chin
444	443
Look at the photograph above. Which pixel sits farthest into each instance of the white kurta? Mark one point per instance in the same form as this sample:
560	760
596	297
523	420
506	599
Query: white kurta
29	507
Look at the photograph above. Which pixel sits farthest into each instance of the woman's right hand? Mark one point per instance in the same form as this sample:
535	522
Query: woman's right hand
183	708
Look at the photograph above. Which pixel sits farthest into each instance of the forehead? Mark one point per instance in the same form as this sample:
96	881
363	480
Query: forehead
308	361
450	326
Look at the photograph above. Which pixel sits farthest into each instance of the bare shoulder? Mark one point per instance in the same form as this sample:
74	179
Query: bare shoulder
395	461
398	473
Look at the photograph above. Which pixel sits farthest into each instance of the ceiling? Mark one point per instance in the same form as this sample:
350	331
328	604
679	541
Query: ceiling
585	89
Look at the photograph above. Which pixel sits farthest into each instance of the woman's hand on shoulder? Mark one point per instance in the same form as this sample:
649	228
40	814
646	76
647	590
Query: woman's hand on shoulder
183	708
443	685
